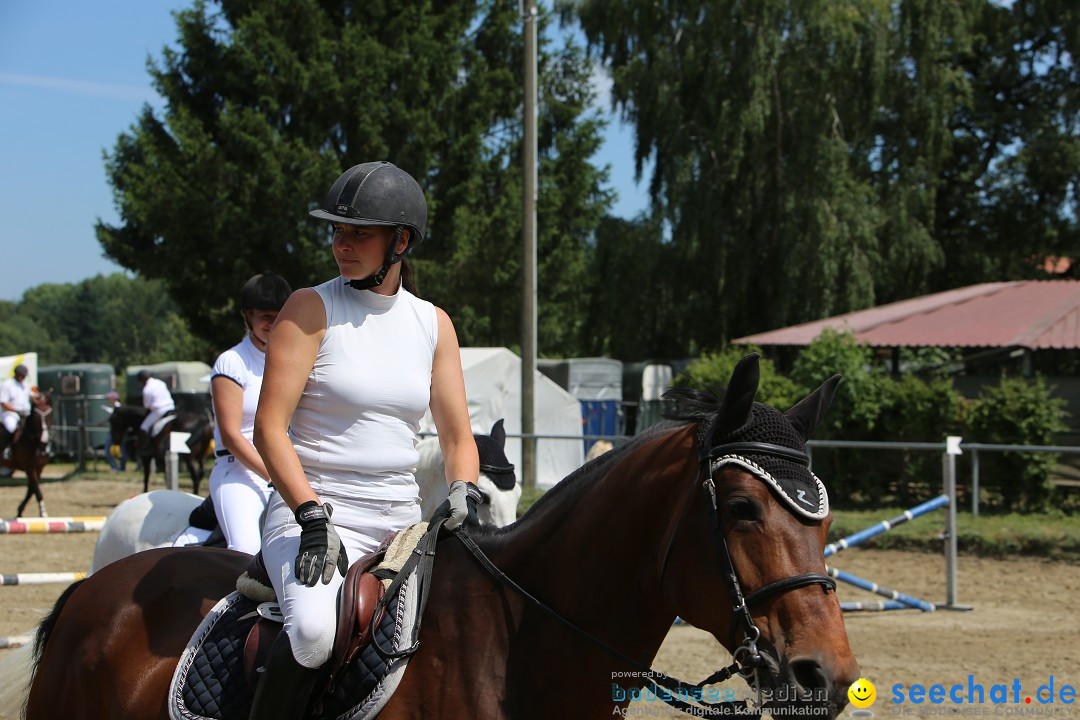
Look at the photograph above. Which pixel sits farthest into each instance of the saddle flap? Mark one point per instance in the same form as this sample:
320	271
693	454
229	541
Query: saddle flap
360	594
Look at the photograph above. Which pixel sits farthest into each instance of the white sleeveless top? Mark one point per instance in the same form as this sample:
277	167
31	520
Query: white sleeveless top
243	363
355	427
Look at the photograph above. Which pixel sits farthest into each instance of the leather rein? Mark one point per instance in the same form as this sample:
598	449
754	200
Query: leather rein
748	661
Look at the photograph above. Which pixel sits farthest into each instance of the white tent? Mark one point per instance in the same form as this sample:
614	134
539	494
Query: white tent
493	390
8	363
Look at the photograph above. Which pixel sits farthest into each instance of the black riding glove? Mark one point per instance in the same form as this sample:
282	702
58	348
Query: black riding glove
320	547
463	499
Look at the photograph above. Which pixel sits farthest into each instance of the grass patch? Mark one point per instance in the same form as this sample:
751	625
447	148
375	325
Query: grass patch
1051	536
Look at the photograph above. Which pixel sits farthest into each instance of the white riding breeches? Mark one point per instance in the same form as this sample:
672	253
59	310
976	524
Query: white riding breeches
311	612
191	535
10	421
240	497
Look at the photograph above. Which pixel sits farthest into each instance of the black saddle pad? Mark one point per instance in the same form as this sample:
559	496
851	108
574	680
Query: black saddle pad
214	686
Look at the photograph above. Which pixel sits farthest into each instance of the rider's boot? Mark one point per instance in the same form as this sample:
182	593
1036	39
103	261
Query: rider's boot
284	686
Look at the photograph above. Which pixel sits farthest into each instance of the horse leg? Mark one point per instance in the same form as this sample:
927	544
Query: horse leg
196	477
25	501
33	489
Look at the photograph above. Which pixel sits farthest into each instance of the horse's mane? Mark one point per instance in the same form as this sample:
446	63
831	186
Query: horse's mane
573	483
684	406
126	416
691	405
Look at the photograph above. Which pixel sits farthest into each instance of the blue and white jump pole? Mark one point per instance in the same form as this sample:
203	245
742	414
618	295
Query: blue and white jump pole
898	600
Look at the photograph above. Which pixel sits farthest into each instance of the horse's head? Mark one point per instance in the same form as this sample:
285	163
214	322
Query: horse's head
497	480
40	419
42	401
757	533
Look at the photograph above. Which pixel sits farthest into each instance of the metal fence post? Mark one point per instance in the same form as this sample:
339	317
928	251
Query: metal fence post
952	449
975	483
177	445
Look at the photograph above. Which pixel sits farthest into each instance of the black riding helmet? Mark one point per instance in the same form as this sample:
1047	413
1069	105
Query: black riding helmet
378	193
265	291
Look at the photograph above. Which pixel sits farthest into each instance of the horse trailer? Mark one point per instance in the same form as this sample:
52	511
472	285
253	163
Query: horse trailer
80	423
189	383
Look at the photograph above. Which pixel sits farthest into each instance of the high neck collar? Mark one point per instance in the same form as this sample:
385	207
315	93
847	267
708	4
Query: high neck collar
372	299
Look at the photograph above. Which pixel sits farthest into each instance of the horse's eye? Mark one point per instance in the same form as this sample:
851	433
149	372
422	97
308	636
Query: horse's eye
743	508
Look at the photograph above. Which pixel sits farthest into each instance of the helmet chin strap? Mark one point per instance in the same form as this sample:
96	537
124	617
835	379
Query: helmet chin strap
257	341
391	258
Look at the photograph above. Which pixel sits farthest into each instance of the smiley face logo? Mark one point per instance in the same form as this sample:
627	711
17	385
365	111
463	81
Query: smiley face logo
862	693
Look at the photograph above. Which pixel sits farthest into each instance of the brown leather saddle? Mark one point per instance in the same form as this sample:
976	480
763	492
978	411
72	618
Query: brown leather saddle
358	602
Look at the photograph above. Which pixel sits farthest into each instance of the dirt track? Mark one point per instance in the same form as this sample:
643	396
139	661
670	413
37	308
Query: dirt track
1025	625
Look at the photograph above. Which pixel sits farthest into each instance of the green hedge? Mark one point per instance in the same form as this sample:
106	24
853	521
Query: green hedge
1051	536
918	406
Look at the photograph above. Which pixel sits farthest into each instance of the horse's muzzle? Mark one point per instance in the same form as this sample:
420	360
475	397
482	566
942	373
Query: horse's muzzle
804	686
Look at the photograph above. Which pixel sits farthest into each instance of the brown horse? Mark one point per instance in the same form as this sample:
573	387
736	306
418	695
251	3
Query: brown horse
685	520
126	419
30	450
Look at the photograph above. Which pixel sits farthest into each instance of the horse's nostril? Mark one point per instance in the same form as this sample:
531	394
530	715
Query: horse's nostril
811	678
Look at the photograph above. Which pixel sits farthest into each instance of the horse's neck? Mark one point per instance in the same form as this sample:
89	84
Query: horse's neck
603	542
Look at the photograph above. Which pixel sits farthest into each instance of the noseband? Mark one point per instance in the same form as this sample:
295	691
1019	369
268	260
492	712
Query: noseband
747	656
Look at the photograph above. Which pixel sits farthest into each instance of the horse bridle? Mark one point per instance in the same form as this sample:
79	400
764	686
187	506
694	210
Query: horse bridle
746	655
748	660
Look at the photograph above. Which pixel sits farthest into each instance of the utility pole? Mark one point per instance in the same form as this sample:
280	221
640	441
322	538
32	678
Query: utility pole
528	265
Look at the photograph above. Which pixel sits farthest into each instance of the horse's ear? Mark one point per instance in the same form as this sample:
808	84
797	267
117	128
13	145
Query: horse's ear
498	434
738	400
809	412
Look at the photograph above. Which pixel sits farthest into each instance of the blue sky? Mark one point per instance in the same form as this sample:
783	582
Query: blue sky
72	78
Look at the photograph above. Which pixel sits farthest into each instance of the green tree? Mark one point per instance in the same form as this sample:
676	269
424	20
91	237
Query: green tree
22	332
267	102
748	112
1010	188
632	313
816	157
113	320
713	370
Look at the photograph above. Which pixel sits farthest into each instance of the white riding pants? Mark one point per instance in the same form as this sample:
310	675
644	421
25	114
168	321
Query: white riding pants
311	612
240	497
191	535
10	420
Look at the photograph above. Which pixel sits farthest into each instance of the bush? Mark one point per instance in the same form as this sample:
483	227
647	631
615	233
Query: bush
712	371
1017	412
853	477
872	405
919	410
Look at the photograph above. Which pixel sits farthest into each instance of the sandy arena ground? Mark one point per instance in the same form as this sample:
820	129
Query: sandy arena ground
1025	624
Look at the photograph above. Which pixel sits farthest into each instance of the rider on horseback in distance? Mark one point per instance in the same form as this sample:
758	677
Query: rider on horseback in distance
157	399
15	404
